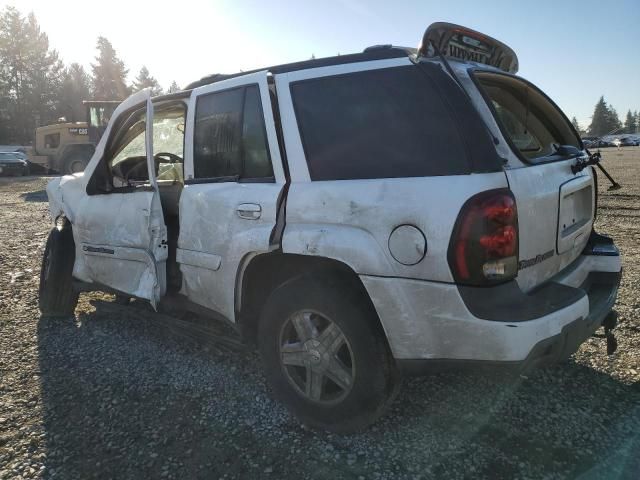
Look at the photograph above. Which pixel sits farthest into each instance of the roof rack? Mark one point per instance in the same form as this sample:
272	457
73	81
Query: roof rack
376	52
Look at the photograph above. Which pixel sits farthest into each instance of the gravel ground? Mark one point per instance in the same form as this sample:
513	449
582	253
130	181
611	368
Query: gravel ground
120	392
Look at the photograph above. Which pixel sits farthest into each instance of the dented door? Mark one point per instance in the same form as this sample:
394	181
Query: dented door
233	179
120	235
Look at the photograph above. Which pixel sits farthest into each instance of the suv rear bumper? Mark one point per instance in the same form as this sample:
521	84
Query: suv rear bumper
429	324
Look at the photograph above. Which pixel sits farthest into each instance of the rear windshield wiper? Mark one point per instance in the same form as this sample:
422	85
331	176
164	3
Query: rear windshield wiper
594	159
581	164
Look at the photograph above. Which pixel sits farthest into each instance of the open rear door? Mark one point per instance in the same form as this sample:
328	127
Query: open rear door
120	233
462	43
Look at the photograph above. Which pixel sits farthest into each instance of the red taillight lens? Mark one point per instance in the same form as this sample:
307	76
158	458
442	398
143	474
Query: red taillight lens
502	242
484	244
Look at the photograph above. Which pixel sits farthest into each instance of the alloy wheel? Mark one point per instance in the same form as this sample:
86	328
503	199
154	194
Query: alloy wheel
316	357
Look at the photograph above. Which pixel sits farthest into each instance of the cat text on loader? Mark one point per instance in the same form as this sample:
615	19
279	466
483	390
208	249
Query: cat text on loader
67	147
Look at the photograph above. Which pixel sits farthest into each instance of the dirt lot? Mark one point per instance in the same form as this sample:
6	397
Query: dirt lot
119	392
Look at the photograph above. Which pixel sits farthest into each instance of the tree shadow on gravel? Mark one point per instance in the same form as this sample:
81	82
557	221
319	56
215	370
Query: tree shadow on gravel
37	196
130	394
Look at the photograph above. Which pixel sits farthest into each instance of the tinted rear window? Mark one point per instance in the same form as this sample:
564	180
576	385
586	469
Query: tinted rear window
383	123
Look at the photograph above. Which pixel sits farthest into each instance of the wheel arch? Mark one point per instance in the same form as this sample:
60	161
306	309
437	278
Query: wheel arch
262	274
351	245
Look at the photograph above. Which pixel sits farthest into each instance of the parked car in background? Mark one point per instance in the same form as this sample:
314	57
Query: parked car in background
629	142
13	163
595	142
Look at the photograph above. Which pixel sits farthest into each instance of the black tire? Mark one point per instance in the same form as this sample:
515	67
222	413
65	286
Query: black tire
122	299
57	296
375	378
74	164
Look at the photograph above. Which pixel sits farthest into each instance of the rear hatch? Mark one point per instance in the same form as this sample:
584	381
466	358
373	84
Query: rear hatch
555	206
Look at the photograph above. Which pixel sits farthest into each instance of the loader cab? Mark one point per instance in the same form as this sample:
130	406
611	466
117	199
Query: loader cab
98	115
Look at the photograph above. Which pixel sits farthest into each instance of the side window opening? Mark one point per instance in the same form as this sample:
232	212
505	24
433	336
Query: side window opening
124	164
168	142
529	120
52	140
230	138
128	163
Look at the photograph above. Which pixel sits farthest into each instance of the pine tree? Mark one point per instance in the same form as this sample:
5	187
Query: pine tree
605	119
598	121
630	123
173	87
576	125
145	80
637	121
30	76
76	87
45	73
109	73
613	121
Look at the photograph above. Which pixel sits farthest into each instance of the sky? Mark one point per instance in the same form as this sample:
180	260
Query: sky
575	51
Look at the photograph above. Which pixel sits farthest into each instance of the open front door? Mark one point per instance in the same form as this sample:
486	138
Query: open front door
119	230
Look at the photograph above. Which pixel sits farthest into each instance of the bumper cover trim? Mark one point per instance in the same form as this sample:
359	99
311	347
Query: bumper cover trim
601	289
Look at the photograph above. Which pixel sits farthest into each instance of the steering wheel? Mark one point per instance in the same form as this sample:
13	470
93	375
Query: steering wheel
137	170
173	158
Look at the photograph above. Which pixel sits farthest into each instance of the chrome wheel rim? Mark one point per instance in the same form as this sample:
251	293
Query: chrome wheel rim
316	357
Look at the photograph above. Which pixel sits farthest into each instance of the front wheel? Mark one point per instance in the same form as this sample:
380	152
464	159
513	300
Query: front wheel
325	355
57	296
74	165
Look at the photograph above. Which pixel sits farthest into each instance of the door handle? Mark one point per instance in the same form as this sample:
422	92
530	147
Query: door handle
249	211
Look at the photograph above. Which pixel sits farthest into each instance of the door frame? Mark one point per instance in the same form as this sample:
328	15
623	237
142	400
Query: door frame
89	264
210	279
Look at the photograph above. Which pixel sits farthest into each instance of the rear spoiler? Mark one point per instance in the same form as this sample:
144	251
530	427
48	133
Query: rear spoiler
462	43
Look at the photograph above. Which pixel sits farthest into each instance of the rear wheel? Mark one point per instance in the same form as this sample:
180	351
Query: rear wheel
57	296
325	356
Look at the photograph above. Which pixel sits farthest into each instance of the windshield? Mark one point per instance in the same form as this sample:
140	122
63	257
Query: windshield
531	122
100	116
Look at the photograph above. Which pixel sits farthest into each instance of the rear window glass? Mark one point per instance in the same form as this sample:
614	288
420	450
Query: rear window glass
382	123
530	121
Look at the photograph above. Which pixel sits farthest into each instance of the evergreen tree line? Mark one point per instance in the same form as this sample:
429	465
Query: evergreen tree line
605	121
36	88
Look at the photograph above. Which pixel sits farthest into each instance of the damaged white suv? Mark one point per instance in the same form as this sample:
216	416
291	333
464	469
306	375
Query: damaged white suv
357	216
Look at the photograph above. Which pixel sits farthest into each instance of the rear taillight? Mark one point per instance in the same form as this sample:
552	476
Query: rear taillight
484	245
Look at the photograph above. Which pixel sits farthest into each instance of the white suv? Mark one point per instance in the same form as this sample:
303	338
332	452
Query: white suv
357	216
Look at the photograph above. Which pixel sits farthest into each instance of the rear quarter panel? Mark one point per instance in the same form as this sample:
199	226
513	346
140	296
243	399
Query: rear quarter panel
352	220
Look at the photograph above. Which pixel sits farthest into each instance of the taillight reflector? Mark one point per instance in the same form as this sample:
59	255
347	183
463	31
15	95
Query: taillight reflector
484	245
